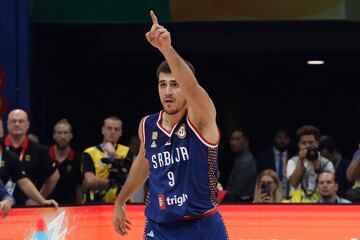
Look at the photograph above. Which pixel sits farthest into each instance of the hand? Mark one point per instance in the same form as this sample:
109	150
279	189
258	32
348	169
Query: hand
51	202
158	36
5	207
265	198
31	202
302	153
109	149
120	222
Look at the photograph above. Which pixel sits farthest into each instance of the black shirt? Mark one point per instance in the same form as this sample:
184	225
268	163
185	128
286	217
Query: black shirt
70	177
10	166
36	162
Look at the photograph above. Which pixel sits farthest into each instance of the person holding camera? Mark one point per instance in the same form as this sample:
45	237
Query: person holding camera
304	169
268	188
106	166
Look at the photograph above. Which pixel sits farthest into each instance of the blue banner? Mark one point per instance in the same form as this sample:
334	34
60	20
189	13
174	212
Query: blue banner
14	54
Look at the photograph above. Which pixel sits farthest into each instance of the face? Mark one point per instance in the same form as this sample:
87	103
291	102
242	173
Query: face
62	135
112	130
327	186
281	140
307	141
267	178
170	94
18	123
238	142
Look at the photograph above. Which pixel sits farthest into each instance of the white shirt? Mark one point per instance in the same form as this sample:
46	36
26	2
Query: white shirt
309	176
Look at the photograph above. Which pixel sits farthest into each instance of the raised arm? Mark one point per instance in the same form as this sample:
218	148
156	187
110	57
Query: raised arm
201	109
138	174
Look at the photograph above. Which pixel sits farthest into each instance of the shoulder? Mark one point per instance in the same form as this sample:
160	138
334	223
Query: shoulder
122	149
326	164
294	159
91	150
343	200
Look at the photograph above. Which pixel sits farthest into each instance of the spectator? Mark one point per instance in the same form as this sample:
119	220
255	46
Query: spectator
267	188
329	149
105	166
242	178
276	157
327	187
353	175
6	200
34	158
303	170
11	168
68	189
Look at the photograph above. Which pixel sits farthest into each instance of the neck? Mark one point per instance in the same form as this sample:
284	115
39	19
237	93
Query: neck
61	154
170	120
331	199
17	140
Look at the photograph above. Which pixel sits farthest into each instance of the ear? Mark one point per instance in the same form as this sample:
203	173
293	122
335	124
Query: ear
27	126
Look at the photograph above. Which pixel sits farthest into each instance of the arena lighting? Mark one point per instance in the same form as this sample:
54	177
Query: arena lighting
315	62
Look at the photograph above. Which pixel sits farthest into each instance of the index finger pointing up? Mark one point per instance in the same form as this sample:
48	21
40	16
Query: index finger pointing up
153	17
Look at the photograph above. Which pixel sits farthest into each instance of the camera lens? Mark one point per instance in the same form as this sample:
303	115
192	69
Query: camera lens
312	153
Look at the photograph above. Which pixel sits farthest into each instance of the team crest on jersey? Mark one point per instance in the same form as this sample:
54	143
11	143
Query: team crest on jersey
68	168
154	135
181	133
153	144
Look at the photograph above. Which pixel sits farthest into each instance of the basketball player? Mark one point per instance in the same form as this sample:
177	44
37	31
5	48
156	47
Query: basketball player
179	147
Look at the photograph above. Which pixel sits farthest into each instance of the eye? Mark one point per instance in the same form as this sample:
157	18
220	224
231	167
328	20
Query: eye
174	85
162	84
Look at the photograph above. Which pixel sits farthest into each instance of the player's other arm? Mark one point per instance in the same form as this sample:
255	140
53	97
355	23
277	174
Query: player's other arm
138	174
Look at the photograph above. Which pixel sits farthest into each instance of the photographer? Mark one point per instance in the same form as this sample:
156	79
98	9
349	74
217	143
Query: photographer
267	189
105	166
304	169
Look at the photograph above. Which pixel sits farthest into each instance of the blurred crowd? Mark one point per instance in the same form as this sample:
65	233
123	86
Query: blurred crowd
315	171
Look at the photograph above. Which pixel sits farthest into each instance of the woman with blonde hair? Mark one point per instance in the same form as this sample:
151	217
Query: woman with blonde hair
267	188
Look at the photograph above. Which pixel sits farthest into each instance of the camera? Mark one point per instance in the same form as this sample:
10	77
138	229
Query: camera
266	188
119	169
312	153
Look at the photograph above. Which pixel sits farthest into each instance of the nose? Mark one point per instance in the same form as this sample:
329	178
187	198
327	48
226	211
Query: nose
168	90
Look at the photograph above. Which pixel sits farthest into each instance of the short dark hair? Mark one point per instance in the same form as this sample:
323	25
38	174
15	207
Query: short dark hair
165	68
308	130
63	121
114	118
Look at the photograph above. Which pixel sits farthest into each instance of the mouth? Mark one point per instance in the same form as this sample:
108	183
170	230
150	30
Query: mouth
169	100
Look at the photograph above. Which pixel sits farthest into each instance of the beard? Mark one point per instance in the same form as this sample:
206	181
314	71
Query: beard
62	146
326	196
